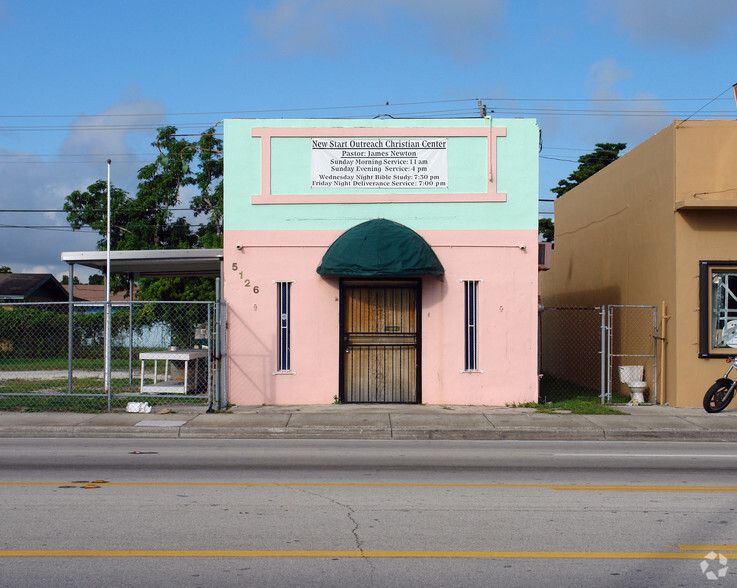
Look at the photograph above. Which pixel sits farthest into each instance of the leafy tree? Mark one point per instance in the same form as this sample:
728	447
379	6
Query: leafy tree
4	269
149	220
38	331
589	164
96	280
159	186
65	280
209	200
545	227
89	208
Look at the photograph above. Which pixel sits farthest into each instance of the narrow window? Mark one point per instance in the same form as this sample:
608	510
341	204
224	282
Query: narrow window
471	336
283	332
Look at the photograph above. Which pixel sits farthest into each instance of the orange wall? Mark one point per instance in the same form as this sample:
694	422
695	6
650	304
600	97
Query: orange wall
620	240
706	176
614	235
706	153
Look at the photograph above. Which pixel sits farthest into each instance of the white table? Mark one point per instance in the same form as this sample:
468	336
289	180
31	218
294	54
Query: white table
172	386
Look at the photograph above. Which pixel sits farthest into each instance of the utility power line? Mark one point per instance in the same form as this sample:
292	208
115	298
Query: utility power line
496	103
493	100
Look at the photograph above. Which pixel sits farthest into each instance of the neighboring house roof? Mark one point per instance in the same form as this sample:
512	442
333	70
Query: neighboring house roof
31	288
96	293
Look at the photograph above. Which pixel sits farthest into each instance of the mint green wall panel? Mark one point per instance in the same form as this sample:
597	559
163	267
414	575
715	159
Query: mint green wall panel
516	171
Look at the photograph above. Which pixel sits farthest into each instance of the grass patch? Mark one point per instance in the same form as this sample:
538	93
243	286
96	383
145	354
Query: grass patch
574	405
92	361
557	394
577	406
88	395
94	404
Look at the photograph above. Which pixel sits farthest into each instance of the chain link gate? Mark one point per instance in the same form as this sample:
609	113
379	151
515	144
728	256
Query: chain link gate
582	347
631	343
570	359
52	354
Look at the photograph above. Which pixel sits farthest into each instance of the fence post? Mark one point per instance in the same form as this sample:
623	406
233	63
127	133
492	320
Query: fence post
602	386
609	354
130	329
655	355
218	386
209	354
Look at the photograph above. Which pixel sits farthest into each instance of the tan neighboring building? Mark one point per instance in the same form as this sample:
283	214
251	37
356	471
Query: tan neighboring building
659	227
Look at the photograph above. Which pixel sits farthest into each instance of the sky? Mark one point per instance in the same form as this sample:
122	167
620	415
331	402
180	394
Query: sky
88	81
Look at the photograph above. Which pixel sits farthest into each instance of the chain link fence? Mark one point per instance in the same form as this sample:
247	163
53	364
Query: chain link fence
632	340
581	349
570	353
52	355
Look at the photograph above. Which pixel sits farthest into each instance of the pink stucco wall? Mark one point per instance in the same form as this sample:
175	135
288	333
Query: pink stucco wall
505	262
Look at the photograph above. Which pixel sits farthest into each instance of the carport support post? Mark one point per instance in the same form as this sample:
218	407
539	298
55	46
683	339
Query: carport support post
70	338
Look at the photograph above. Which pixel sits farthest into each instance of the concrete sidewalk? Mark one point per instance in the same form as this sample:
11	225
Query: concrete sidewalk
395	421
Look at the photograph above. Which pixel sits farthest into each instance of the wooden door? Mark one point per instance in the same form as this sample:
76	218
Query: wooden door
380	342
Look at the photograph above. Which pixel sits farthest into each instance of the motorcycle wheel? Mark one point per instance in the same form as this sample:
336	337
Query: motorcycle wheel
718	396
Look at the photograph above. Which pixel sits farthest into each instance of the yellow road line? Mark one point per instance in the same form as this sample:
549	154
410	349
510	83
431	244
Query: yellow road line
286	484
350	554
708	547
630	488
556	487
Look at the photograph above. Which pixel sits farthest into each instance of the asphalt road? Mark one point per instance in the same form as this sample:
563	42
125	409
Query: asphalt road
140	512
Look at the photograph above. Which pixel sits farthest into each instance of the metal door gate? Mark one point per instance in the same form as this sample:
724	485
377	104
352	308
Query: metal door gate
380	344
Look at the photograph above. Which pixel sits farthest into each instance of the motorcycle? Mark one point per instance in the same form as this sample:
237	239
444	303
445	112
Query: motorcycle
721	392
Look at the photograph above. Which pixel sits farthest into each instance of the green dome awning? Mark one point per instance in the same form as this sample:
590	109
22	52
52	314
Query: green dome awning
380	248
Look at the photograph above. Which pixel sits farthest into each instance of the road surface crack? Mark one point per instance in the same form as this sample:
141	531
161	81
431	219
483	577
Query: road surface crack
350	512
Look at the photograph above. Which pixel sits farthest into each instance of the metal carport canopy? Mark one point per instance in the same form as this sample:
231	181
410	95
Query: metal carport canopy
151	262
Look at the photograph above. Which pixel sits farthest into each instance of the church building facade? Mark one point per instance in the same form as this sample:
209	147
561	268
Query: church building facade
381	261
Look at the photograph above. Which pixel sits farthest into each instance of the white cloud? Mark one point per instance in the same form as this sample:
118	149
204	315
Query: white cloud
631	121
603	76
688	23
460	28
296	26
110	131
36	182
30	183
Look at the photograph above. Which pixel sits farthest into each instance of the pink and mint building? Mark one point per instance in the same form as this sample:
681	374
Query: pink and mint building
381	261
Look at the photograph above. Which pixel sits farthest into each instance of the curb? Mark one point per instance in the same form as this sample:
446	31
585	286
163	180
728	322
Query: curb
363	432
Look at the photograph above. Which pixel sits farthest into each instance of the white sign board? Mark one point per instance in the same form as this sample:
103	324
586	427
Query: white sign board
385	163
